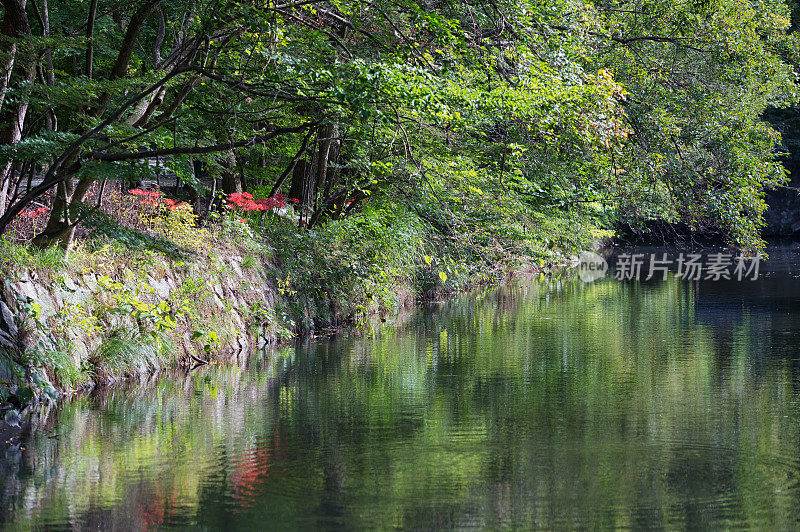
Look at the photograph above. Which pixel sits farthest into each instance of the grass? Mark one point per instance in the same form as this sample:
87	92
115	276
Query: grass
339	273
249	262
57	361
16	257
125	352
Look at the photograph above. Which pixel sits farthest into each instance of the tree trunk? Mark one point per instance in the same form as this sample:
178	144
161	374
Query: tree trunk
308	189
90	38
329	154
327	134
46	71
120	68
230	177
290	169
239	158
298	178
15	25
63	220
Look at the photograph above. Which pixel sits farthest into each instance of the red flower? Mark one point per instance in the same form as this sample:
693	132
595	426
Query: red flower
265	204
245	202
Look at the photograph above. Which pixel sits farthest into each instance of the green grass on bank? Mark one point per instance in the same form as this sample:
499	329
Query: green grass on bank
338	274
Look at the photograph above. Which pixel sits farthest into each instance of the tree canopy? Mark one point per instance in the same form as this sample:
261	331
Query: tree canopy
486	119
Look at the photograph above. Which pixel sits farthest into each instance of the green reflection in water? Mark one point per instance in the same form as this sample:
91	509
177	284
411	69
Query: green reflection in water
607	405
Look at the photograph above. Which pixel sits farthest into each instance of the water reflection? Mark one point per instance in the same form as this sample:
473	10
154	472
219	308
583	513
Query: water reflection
622	405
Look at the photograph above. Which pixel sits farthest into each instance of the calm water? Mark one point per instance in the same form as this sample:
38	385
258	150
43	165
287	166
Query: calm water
551	405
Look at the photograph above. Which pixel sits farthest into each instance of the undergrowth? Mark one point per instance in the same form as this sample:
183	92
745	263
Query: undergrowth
341	272
125	351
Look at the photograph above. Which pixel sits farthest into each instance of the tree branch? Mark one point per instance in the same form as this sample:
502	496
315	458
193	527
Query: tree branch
199	150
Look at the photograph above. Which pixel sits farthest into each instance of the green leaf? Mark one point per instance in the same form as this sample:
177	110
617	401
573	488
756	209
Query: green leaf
24	395
51	392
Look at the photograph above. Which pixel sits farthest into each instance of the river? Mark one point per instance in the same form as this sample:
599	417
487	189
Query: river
549	404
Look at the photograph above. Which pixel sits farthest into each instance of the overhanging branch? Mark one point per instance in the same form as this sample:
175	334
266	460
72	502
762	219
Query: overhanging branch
199	150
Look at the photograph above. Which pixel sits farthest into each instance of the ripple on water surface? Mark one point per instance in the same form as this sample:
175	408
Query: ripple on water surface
612	405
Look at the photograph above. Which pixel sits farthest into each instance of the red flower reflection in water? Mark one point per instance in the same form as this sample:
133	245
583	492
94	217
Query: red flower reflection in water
253	466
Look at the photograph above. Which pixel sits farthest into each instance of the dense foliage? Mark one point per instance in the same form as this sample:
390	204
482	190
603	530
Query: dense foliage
496	126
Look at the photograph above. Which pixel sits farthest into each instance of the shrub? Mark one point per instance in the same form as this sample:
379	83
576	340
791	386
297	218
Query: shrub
346	268
177	222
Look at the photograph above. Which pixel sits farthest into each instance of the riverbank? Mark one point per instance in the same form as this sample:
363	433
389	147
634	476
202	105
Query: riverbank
102	315
149	286
110	313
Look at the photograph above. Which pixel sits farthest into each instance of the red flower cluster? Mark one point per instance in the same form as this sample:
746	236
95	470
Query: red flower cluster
172	204
145	193
35	213
151	197
30	221
244	201
146	197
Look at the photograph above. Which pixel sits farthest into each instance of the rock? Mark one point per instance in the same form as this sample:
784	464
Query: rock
237	320
69	284
8	324
217	290
8	341
162	288
26	289
47	303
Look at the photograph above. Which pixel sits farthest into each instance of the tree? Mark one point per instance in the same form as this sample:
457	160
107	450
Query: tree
484	118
